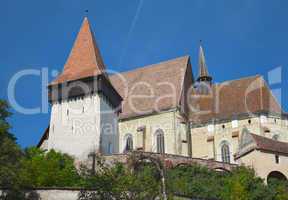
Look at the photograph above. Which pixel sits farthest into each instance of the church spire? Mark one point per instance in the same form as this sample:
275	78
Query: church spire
85	53
85	59
203	71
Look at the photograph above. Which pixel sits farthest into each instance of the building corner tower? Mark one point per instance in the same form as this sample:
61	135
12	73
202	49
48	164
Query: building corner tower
85	105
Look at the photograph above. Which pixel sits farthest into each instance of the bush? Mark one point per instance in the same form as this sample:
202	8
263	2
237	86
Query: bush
242	183
120	182
48	169
195	181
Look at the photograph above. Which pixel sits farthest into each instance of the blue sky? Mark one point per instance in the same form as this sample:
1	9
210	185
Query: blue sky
240	38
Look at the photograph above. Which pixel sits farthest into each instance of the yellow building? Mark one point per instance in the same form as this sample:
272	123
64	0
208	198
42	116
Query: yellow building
165	110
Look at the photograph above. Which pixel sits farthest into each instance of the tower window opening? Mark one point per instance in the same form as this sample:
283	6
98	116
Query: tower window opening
277	159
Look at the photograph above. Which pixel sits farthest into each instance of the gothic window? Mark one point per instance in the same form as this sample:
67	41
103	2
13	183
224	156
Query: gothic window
129	143
225	153
160	141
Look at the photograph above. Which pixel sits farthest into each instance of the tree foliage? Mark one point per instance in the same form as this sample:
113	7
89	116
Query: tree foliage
239	184
10	153
278	189
48	169
120	182
194	181
242	183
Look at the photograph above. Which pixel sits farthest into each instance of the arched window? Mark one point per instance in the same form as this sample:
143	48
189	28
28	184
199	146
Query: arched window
225	153
160	141
128	143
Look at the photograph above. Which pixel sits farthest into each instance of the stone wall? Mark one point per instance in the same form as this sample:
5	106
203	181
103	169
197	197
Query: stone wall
70	194
170	160
56	194
52	194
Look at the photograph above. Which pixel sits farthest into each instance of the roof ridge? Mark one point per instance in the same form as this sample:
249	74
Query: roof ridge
154	65
238	79
266	138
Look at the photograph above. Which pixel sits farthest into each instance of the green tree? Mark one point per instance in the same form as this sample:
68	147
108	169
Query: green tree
243	184
120	182
194	181
48	169
279	189
10	155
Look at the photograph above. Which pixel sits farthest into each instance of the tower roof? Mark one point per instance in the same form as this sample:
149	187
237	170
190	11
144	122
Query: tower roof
203	71
202	63
85	59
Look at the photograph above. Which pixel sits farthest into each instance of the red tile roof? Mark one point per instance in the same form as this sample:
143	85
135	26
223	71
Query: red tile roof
232	98
161	84
84	60
267	144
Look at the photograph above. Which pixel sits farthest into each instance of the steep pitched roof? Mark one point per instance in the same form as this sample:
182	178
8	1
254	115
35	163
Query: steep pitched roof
232	98
152	88
203	71
85	59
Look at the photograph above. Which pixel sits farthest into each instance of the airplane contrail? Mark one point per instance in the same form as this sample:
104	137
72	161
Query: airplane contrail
133	24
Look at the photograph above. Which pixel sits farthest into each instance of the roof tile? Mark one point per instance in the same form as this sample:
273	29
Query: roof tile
267	144
152	88
85	59
231	98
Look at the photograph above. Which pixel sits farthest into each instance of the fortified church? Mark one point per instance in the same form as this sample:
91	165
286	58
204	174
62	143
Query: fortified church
163	108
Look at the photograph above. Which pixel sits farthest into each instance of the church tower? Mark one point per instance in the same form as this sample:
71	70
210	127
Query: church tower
203	71
204	80
85	105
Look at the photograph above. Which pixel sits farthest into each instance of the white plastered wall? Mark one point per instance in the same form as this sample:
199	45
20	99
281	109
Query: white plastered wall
76	126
